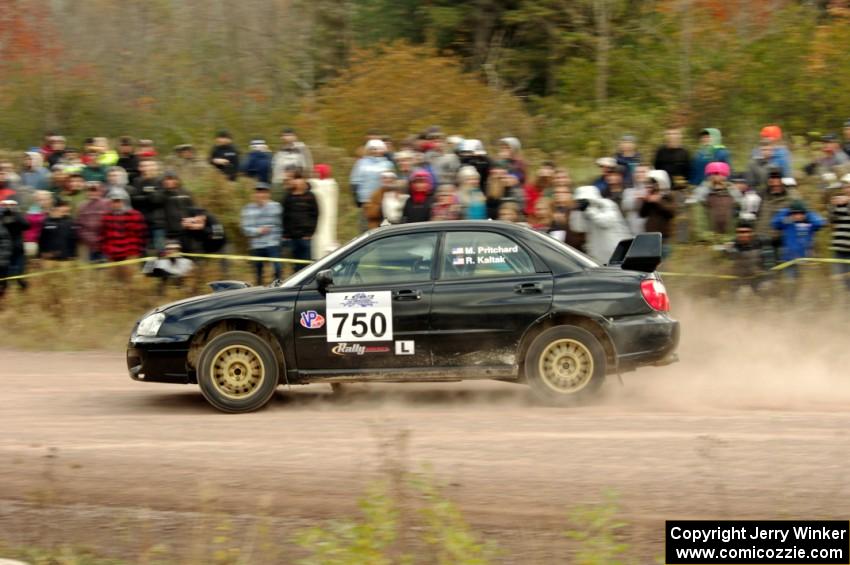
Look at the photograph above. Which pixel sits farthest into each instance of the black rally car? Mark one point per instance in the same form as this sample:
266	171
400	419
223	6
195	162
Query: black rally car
436	301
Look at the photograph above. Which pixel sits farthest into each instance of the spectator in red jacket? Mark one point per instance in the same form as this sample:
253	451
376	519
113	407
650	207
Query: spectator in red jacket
123	229
541	187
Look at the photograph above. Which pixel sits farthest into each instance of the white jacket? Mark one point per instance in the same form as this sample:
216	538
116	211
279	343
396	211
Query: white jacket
324	240
631	204
602	222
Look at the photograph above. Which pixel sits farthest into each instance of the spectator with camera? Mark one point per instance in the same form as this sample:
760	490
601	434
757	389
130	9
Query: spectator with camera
600	220
15	224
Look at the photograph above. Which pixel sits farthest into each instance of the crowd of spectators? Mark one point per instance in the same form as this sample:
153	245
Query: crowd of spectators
61	203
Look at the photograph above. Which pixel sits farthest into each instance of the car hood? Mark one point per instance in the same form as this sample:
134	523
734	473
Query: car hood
221	298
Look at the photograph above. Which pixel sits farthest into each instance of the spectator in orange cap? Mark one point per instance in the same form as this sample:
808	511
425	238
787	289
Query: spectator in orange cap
779	155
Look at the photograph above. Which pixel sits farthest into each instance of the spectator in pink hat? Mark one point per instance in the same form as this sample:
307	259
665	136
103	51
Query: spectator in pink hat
718	199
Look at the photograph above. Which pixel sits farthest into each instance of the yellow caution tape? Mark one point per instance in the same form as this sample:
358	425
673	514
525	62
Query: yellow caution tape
246	258
93	266
777	268
83	267
698	275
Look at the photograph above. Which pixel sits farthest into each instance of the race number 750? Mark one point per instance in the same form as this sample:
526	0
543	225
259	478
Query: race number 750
359	316
361	325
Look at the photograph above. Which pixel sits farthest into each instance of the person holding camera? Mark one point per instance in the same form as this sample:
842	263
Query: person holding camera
797	226
600	220
659	208
15	224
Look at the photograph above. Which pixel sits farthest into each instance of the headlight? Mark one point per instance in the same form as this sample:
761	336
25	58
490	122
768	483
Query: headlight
150	325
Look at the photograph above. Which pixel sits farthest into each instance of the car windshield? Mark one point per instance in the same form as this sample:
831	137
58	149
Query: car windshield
575	254
325	262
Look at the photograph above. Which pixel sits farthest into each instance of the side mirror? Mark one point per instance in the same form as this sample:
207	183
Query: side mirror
325	279
643	253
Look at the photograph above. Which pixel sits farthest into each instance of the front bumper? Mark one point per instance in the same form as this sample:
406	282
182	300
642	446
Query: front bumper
649	339
159	359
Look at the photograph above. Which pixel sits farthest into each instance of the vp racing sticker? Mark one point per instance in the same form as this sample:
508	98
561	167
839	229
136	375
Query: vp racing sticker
312	320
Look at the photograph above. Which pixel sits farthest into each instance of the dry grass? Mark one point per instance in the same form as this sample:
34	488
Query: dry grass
92	309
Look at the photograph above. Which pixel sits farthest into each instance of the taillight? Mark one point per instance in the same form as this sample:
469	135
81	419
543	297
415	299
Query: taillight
655	294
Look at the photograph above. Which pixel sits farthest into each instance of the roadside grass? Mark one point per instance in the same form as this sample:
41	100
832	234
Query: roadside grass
63	555
595	530
93	309
423	527
404	518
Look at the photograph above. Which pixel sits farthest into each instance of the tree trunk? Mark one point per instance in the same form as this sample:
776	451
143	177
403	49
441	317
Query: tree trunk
686	8
603	46
485	13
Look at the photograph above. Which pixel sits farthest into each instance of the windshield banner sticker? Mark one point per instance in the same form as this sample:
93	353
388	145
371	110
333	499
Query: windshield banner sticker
482	254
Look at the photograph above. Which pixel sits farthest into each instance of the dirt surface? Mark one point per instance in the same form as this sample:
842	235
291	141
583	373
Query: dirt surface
745	426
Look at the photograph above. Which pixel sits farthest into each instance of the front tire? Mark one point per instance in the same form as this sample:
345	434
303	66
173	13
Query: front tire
565	365
238	372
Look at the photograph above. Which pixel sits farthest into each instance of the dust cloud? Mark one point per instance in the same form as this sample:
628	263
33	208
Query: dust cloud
732	356
746	357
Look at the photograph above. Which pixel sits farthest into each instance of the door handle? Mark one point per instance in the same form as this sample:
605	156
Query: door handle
528	288
407	294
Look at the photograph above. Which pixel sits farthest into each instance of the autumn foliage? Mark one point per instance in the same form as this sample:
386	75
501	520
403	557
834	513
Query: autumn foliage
564	75
402	89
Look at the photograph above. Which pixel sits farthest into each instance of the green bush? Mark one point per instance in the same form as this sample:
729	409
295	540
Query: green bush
386	532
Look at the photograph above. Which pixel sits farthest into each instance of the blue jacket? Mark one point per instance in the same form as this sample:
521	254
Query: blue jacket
797	237
629	165
781	158
602	185
258	165
366	175
705	154
254	217
703	157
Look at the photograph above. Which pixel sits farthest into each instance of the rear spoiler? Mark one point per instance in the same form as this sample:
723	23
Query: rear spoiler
641	253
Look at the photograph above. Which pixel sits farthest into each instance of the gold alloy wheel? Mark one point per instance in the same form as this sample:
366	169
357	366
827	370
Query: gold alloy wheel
566	366
237	371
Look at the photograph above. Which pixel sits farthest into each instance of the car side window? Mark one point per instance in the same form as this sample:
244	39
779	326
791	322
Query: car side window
483	254
397	259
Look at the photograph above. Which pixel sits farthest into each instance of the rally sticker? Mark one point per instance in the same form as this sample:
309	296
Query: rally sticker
359	316
357	349
312	320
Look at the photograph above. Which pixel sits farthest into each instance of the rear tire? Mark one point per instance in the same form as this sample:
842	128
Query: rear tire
565	365
238	372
